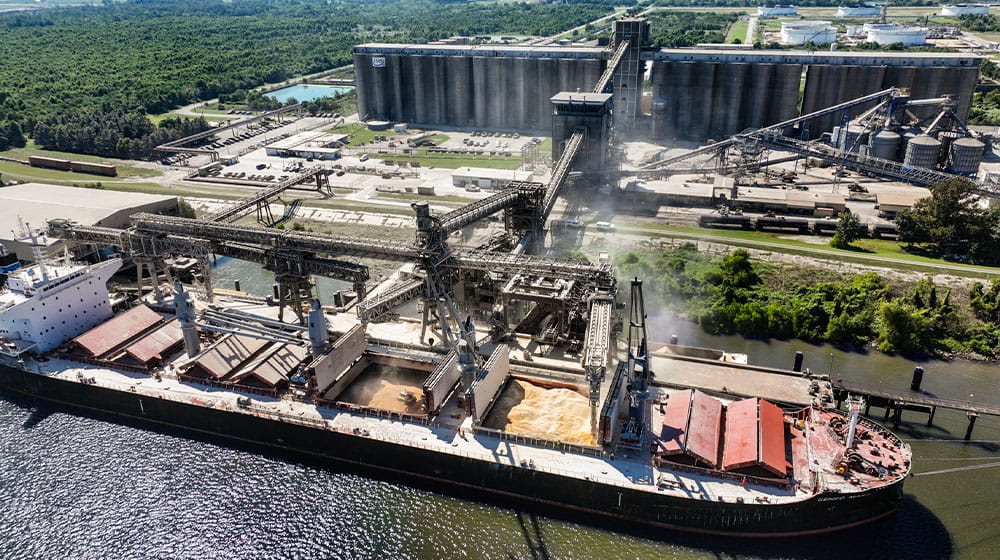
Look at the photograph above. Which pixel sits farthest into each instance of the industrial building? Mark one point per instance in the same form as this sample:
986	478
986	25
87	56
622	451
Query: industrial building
487	178
309	145
698	93
896	200
34	203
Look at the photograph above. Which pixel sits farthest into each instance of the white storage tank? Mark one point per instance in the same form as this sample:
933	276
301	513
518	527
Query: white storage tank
922	151
777	11
884	144
965	10
857	11
889	33
966	155
801	32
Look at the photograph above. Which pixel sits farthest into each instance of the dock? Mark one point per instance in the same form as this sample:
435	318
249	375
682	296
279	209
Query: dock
895	401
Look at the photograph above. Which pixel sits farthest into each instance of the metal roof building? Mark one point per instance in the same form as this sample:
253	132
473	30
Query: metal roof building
34	203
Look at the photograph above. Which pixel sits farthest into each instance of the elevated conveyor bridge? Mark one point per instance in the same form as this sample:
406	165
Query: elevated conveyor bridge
260	199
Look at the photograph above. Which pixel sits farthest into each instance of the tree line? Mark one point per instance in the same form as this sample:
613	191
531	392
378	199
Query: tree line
687	29
64	68
735	295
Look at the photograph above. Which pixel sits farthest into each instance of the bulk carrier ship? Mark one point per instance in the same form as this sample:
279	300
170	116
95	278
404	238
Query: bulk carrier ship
473	414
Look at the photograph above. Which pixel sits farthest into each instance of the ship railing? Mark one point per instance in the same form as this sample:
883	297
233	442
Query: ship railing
228	385
539	442
375	412
485	455
729	475
317	422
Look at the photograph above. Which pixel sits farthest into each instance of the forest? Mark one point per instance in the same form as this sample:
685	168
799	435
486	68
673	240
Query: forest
66	67
687	29
735	295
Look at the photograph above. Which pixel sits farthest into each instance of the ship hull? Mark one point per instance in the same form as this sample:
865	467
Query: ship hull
817	514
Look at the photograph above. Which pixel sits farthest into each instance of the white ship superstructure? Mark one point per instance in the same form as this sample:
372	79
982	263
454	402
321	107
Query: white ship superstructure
45	305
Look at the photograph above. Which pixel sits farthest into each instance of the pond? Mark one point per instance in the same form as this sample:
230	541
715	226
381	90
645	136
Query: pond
306	92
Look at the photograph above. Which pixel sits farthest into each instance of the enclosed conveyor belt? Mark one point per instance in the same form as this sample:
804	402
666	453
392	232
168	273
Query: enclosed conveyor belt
397	295
551	267
777	127
475	211
605	80
561	171
597	345
130	241
876	166
248	203
306	242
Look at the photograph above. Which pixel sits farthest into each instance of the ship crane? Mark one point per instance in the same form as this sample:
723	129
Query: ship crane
638	367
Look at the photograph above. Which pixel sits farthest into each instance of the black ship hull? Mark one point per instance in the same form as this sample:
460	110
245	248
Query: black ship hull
817	514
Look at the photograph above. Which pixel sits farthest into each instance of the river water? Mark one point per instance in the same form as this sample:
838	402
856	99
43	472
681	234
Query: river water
76	486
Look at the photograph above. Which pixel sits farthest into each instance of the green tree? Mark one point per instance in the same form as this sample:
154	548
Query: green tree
946	222
848	231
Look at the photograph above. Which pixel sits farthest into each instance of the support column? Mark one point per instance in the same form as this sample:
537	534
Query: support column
293	291
972	424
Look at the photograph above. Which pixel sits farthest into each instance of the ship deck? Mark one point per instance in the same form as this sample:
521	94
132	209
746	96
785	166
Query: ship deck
447	435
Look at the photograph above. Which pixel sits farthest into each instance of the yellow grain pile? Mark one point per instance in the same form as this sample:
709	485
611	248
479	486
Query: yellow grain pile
389	397
380	393
552	414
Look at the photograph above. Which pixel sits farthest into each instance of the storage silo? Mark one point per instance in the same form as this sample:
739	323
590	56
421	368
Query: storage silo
946	137
922	151
852	136
966	155
884	144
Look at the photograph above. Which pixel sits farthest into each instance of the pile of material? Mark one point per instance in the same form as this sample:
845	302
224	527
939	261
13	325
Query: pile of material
555	414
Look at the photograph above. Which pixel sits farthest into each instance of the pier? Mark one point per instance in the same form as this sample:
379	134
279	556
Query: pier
895	401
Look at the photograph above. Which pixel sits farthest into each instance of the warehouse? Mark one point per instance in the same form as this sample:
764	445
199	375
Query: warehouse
485	178
309	145
34	203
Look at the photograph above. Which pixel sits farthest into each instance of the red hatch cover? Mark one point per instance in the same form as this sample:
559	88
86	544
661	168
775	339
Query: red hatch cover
704	429
674	431
156	343
740	448
118	330
772	438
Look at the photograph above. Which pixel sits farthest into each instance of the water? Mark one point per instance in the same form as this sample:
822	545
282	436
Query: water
254	280
306	92
76	486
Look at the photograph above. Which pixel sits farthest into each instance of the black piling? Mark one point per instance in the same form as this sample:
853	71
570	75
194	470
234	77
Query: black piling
673	339
972	423
918	378
236	285
798	362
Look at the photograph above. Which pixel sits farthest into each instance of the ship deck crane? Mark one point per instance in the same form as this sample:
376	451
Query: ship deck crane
639	372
